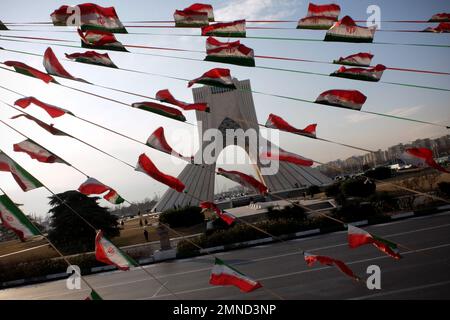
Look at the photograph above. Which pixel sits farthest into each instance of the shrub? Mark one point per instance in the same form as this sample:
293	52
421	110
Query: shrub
354	211
312	190
358	187
379	173
289	212
333	190
182	217
444	188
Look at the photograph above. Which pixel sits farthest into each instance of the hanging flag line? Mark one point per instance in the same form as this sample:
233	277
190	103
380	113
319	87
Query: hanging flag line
256	56
253	91
252	37
95	229
56	249
270	68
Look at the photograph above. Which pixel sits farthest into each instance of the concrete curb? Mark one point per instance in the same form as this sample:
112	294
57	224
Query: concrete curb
234	246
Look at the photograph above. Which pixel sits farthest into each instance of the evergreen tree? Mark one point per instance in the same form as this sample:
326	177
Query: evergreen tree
69	232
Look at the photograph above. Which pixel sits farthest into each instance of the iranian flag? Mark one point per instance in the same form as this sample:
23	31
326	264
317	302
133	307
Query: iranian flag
93	186
47	127
225	216
166	96
311	259
92	17
234	29
190	19
37	152
358	237
225	275
55	68
146	166
320	17
443	27
160	109
158	141
107	252
365	74
29	71
440	17
92	57
421	157
201	7
94	39
229	52
346	30
93	296
243	179
285	156
52	111
361	59
349	99
276	122
14	219
25	180
216	77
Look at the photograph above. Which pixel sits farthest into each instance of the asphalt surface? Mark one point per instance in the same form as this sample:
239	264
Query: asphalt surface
423	273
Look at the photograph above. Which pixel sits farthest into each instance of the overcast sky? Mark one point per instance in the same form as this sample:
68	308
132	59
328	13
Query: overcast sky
347	126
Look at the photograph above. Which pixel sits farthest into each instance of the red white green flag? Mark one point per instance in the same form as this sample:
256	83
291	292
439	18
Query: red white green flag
52	111
440	17
146	166
225	275
55	68
234	29
346	30
320	17
107	252
14	219
225	216
25	180
229	52
201	7
92	57
160	109
324	10
190	19
93	296
166	96
349	99
285	156
276	122
365	74
358	237
93	186
47	127
158	141
92	17
421	157
243	179
94	39
311	259
217	77
316	23
361	59
443	27
25	69
37	152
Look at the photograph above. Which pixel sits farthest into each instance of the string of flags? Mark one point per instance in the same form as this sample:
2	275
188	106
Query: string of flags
96	32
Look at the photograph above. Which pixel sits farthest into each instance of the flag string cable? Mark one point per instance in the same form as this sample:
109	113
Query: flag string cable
174	27
90	225
260	38
295	204
56	249
203	52
244	90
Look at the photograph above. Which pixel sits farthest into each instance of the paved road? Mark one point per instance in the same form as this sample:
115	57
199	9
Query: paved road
423	273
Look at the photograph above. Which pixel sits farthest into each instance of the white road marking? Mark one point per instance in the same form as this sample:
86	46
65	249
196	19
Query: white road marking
160	288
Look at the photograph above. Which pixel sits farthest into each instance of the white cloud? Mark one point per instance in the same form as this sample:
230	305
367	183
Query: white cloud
399	112
256	9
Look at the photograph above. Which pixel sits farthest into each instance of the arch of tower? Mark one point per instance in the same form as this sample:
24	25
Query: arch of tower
232	109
